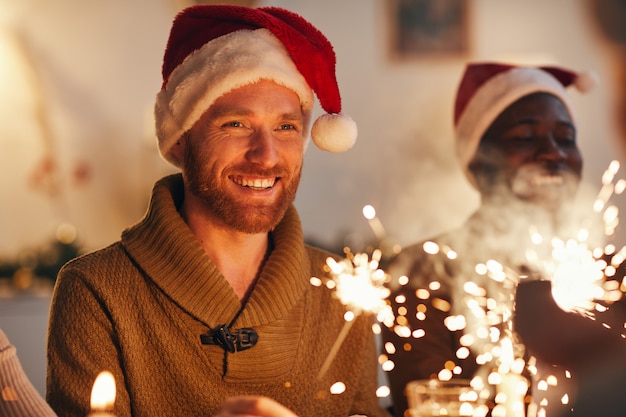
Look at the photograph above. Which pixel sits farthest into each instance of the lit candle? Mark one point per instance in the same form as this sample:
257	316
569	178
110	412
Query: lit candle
103	395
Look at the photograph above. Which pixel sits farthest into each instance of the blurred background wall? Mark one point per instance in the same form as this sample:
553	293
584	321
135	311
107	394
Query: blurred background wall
78	154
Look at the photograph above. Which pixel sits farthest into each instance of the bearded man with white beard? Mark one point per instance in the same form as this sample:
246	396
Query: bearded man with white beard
517	144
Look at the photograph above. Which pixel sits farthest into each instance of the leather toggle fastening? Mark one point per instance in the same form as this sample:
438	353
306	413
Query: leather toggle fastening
230	341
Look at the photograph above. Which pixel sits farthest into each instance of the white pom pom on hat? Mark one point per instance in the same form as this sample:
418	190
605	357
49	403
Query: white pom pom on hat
488	88
586	80
213	49
334	132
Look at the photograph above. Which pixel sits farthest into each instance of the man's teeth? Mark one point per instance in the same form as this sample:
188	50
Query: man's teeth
257	184
547	180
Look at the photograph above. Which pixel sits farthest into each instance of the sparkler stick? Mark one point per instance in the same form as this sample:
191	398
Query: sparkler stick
333	351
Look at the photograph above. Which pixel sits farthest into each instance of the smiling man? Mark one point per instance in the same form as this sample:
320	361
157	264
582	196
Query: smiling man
517	143
205	306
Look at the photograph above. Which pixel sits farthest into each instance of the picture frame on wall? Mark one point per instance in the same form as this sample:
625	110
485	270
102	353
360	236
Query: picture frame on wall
432	28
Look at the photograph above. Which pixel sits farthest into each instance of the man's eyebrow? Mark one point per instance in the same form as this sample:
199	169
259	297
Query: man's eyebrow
218	111
292	116
566	123
531	121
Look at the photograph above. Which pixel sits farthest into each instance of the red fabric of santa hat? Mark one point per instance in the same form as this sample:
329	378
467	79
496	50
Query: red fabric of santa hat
488	88
213	49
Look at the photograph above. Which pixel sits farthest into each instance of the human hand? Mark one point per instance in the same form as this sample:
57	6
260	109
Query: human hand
253	406
561	337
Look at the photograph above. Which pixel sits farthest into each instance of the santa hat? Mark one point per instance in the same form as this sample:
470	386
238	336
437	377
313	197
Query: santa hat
213	49
487	89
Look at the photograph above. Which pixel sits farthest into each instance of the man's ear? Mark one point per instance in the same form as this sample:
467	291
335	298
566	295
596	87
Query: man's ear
483	171
477	166
178	150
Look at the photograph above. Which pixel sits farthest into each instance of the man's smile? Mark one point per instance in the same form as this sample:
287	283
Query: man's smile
254	183
546	180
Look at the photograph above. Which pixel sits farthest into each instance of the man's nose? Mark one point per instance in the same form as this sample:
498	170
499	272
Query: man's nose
550	149
263	148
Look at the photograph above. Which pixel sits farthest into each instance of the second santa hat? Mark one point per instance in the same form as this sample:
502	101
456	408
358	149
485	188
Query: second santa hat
213	49
488	88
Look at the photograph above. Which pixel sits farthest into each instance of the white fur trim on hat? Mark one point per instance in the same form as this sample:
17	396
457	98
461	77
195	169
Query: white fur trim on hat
493	97
221	65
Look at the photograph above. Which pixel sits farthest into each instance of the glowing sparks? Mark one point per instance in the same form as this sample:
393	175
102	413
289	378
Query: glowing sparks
578	272
360	284
369	212
338	388
576	276
434	248
483	309
383	391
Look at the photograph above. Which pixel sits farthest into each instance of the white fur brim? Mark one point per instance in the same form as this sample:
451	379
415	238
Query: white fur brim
222	65
493	97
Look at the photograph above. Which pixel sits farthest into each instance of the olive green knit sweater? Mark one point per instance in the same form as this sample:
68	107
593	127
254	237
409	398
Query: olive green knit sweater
138	307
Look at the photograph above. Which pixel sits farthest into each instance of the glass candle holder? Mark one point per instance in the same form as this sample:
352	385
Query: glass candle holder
454	398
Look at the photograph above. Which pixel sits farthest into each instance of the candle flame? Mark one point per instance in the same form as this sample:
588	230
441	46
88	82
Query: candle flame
103	392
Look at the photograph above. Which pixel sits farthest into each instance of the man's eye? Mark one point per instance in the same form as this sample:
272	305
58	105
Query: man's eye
287	126
565	136
528	138
568	140
233	124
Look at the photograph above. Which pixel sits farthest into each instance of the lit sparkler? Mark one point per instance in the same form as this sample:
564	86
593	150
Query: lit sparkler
360	285
578	273
577	270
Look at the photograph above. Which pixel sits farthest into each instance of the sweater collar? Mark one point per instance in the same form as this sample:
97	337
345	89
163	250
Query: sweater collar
169	254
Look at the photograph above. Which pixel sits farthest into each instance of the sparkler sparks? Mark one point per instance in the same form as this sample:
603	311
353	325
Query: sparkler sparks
583	280
577	270
360	285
